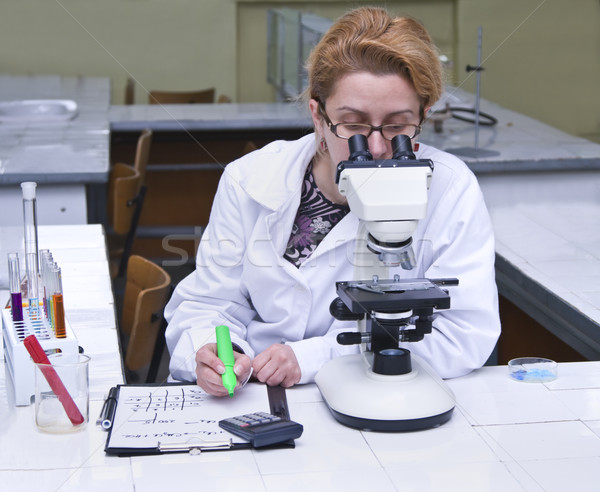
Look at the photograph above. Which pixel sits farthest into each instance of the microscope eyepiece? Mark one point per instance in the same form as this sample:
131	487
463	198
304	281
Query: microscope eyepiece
402	148
359	148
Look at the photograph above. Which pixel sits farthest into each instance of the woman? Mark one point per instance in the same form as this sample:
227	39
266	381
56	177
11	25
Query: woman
280	233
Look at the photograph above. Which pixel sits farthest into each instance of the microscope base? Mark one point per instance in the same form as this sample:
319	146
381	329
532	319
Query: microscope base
359	398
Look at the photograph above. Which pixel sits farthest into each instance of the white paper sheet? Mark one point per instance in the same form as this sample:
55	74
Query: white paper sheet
147	416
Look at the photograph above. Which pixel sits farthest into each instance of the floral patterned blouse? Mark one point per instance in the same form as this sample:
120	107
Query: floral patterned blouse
315	218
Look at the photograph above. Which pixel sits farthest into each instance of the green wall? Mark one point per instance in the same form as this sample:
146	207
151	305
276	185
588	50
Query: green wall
541	57
162	44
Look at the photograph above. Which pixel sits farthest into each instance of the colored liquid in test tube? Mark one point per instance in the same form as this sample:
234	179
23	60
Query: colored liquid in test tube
14	278
59	310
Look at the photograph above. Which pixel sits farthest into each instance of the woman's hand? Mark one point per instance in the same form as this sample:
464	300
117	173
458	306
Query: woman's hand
209	369
277	365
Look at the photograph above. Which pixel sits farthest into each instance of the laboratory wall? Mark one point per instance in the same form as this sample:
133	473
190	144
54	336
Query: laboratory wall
540	57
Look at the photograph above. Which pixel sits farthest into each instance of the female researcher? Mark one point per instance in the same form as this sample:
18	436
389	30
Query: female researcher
280	234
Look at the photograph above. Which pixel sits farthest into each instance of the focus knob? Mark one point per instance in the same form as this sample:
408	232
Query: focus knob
340	311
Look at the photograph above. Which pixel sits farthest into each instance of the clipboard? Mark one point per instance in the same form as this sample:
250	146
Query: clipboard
181	417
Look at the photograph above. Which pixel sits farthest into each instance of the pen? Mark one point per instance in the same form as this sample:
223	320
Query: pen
225	353
58	388
108	410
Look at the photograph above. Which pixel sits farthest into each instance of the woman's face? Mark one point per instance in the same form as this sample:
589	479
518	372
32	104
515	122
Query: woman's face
361	97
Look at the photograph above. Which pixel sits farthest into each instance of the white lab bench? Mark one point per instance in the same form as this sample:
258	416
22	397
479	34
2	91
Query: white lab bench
504	434
547	228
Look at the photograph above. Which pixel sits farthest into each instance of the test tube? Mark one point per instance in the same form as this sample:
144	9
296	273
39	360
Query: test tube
52	268
30	219
14	276
59	310
31	246
45	258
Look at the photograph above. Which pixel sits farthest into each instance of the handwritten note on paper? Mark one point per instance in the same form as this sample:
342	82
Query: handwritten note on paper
148	415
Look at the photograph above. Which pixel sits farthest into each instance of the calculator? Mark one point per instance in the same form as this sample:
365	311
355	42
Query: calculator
262	428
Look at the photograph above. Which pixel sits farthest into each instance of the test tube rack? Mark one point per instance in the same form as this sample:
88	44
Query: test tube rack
19	366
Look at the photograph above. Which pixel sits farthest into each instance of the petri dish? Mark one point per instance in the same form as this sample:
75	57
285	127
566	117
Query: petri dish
532	369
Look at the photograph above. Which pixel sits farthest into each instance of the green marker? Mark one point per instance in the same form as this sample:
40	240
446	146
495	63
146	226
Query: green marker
225	353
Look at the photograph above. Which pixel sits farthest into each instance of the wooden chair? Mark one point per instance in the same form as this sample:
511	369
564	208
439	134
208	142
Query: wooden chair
125	199
142	153
168	97
147	290
126	193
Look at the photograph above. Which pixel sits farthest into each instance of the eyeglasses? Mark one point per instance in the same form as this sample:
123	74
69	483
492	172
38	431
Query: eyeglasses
347	130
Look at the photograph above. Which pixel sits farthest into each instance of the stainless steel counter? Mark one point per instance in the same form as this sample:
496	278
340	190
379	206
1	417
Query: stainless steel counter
68	158
56	151
516	143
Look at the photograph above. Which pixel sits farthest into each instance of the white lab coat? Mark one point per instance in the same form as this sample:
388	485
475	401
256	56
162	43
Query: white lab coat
243	281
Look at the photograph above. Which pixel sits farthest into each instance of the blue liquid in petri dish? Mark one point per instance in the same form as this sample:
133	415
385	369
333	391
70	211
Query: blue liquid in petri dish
534	375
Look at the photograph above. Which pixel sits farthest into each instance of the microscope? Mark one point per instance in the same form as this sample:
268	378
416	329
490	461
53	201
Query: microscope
386	387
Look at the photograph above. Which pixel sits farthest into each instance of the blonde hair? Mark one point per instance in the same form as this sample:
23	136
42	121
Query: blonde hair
368	39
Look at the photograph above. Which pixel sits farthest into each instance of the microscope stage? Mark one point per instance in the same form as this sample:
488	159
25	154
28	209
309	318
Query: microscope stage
394	295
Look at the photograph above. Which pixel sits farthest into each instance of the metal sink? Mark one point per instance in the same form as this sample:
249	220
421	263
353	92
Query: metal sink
38	110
